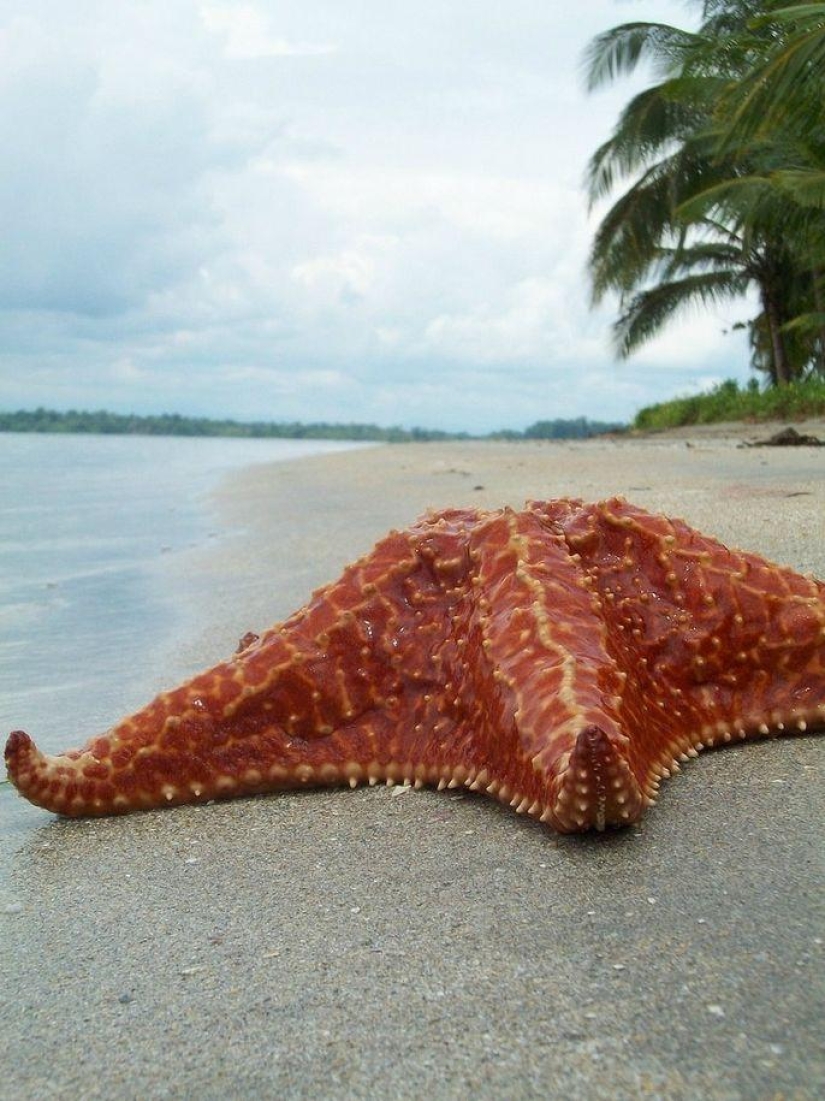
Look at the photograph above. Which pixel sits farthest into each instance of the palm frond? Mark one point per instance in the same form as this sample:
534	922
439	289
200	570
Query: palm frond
787	87
650	124
805	186
629	236
806	323
760	208
619	50
651	309
703	255
791	14
734	200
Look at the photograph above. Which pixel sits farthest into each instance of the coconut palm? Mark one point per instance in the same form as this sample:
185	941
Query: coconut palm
784	99
695	225
776	117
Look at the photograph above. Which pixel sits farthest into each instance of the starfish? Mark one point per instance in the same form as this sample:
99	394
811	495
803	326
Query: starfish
563	659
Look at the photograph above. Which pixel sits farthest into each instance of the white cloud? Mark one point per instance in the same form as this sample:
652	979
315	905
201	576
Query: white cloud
342	277
280	381
125	370
247	34
507	209
530	324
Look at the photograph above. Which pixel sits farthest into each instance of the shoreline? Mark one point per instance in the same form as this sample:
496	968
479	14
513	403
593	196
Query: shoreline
312	943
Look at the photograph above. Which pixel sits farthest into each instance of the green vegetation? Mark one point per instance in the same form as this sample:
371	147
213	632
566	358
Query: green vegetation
579	428
726	157
729	402
172	424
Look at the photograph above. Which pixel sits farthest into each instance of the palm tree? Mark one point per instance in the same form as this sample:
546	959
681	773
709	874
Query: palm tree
782	101
686	231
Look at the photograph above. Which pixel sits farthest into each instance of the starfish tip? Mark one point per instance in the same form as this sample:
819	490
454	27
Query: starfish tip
18	747
24	761
598	787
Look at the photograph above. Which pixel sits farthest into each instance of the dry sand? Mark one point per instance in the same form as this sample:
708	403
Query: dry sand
399	944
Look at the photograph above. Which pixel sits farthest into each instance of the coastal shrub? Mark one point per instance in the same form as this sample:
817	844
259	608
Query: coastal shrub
730	402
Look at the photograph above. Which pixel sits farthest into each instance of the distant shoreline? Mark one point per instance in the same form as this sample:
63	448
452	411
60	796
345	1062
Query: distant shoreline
102	422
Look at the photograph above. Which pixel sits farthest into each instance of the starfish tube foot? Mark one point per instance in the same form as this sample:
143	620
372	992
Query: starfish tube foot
562	659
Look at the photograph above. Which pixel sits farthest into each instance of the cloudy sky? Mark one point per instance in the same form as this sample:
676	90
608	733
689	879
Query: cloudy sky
316	210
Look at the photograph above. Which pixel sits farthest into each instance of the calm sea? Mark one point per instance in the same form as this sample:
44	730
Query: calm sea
86	523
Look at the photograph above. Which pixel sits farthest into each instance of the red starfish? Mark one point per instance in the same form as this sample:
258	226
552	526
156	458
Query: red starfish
563	659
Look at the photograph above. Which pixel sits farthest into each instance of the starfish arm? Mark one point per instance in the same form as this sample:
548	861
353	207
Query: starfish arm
324	698
722	645
549	709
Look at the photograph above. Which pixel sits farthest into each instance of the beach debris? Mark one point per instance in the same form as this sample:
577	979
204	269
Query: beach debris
563	659
786	437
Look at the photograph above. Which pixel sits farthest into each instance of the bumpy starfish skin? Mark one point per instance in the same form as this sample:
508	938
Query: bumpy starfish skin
563	659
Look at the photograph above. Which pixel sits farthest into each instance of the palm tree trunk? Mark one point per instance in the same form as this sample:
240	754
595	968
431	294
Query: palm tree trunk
818	281
780	368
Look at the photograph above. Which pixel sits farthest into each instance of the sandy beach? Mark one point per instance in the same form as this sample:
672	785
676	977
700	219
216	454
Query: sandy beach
398	943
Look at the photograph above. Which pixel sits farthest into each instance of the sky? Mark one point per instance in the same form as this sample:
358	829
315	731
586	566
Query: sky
311	210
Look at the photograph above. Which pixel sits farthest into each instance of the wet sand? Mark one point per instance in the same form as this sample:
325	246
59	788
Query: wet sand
397	943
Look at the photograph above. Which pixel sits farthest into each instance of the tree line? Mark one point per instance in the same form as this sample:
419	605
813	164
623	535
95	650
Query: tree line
102	422
725	158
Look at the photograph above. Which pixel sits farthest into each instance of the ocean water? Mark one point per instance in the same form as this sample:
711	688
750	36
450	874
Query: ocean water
87	526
